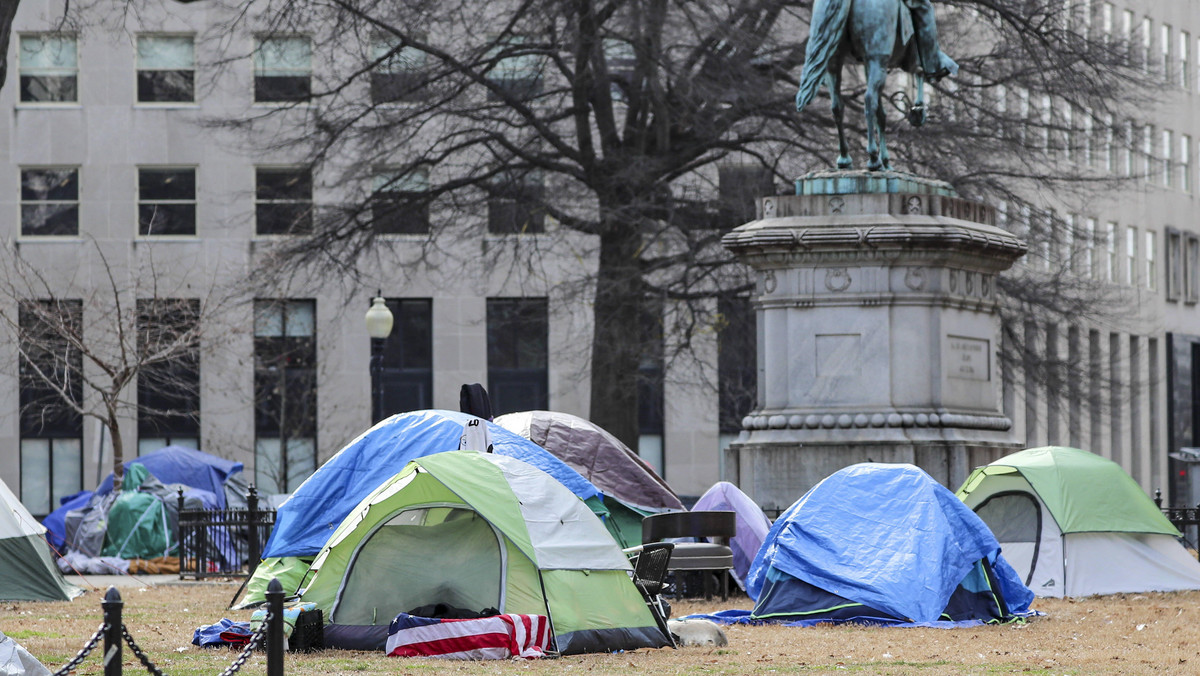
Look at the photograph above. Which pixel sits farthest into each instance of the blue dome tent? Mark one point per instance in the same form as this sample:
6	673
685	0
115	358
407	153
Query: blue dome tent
883	543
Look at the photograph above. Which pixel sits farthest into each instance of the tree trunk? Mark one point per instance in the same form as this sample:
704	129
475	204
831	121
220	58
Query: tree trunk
114	433
616	340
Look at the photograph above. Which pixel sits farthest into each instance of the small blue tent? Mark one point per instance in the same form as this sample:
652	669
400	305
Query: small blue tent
883	543
187	466
304	522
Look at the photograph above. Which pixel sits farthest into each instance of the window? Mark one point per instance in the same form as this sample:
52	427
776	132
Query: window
1168	143
400	202
1089	261
1023	110
400	74
1185	65
50	381
1150	254
621	61
1185	162
1127	32
50	201
1088	130
1175	255
739	187
1131	246
283	200
737	364
518	334
1068	125
283	69
285	393
1110	145
1047	113
1110	244
1147	152
1129	147
407	366
515	204
1191	268
1164	45
168	384
166	68
49	66
517	71
166	201
1106	21
1145	43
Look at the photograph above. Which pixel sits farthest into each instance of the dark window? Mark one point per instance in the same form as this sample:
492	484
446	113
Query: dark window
400	202
737	361
283	69
739	187
401	73
515	204
408	357
169	380
283	201
50	201
49	68
621	62
518	332
167	201
650	444
285	393
51	391
517	71
166	68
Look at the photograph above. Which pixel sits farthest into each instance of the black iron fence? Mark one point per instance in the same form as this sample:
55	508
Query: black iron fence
222	542
115	635
1186	519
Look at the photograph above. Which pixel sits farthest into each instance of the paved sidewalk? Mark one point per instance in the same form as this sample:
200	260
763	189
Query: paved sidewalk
102	582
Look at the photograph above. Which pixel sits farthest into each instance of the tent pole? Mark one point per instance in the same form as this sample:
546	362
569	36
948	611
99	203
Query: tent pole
549	617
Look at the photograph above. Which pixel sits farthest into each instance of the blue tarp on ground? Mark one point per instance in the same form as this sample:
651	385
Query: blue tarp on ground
179	465
305	521
887	536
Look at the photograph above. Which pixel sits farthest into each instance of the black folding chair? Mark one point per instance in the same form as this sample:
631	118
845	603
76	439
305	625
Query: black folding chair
650	563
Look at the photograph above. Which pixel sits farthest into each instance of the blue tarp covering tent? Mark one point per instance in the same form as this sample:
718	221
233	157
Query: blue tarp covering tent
56	521
304	522
179	465
883	543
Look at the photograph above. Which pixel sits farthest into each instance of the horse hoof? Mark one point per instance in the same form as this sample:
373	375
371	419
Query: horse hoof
844	163
874	165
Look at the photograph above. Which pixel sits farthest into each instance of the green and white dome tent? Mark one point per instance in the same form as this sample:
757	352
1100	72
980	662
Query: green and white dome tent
27	570
1072	523
476	531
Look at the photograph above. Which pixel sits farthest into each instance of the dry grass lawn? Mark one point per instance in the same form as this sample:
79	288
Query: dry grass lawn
1127	634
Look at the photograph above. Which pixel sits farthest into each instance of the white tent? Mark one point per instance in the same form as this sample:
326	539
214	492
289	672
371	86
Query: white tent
27	571
1072	523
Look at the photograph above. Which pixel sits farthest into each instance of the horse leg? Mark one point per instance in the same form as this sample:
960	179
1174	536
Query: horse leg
917	113
833	80
876	76
881	121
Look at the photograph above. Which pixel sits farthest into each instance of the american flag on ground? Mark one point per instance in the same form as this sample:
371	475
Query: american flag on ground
487	638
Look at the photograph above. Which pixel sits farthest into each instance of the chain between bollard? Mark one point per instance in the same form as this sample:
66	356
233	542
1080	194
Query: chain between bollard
255	639
137	651
84	651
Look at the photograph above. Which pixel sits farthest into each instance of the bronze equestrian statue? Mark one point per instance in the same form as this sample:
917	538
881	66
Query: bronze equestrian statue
881	34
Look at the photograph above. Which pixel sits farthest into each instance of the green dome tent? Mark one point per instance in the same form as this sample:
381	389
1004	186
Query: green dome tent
1072	523
27	571
476	531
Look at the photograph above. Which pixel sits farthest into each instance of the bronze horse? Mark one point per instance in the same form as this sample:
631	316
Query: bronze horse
881	34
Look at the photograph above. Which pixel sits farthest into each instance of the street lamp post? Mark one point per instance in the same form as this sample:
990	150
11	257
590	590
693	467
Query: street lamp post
379	327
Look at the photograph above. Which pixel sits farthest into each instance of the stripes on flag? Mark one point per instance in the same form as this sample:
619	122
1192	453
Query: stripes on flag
487	638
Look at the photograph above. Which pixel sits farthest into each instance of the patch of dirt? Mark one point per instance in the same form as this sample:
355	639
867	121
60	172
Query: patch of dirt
1122	634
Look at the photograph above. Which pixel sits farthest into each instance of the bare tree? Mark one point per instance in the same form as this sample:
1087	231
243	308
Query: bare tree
126	347
8	11
616	120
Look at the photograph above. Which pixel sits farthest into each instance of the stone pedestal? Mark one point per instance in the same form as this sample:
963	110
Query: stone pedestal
877	332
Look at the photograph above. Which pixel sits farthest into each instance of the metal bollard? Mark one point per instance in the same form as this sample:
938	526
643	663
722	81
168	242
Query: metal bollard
112	636
274	628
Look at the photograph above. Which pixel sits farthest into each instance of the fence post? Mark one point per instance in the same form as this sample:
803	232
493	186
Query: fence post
255	552
274	628
112	635
179	523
